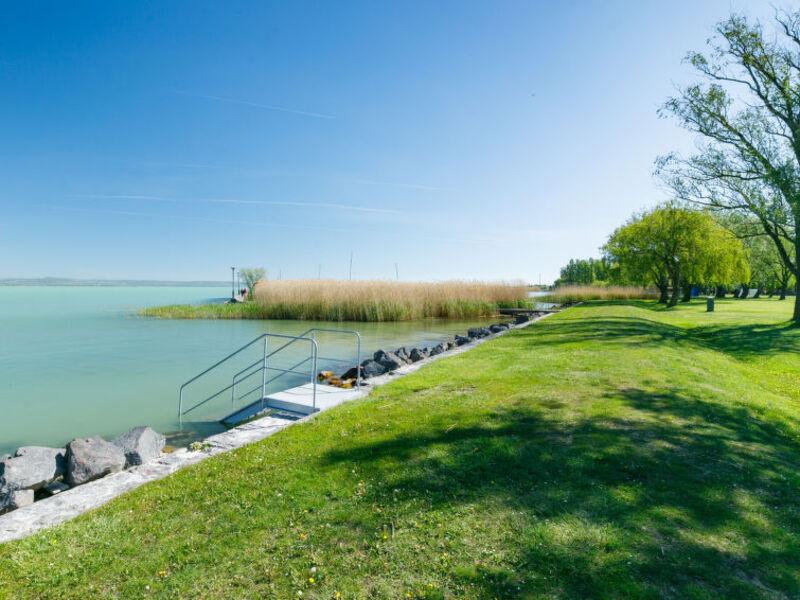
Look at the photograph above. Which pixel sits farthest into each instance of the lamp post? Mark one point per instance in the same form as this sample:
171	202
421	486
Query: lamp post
232	286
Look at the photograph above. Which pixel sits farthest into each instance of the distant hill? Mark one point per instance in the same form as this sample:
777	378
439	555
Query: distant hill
62	281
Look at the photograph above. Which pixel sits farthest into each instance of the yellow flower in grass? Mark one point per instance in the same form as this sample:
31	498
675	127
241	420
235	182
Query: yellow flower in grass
302	536
310	580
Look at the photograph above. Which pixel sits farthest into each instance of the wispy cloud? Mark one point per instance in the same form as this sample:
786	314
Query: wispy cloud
324	205
395	233
294	111
412	186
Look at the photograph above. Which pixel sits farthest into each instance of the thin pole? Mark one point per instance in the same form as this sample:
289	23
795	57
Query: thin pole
396	272
280	274
264	375
232	283
319	272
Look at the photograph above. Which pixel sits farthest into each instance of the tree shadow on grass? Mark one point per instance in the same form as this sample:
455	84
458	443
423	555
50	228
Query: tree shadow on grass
739	341
747	341
685	498
606	328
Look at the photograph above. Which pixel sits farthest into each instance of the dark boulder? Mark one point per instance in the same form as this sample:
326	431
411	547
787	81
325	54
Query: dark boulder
437	349
496	328
14	499
388	360
372	368
418	354
140	445
30	468
478	332
92	458
403	355
462	339
352	373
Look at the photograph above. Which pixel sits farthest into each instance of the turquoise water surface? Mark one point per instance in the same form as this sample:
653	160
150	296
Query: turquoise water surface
77	361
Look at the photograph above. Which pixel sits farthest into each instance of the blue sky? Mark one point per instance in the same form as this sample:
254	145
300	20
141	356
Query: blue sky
490	140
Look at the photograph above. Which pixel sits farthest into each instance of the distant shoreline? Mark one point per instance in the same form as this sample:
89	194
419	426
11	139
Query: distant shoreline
66	282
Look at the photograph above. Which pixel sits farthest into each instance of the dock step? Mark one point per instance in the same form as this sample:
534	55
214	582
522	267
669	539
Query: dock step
298	401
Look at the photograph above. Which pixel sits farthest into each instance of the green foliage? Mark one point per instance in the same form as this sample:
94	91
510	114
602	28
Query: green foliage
585	272
251	276
746	114
672	246
595	454
345	310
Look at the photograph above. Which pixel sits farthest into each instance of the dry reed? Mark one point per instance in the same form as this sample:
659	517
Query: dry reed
333	300
569	294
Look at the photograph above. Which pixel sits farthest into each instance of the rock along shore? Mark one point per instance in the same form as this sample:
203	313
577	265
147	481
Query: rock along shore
41	487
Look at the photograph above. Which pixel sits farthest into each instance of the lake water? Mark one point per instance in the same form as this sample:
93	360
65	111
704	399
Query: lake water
77	361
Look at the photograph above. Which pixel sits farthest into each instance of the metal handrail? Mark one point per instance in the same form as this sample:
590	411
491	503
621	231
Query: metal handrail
358	346
260	366
302	335
264	336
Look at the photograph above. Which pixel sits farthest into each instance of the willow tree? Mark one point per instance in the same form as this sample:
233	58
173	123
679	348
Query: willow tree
674	247
746	114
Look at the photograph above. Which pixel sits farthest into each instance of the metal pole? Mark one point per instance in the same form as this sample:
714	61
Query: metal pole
396	272
232	270
358	361
313	373
264	375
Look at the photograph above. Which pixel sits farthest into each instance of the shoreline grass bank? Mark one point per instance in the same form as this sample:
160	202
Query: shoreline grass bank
613	450
365	301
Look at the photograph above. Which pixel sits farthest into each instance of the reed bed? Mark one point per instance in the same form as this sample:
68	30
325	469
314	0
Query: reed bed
333	300
570	294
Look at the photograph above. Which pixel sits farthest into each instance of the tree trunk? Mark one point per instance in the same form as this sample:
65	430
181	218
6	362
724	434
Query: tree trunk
663	292
720	291
796	315
783	293
758	292
676	295
687	293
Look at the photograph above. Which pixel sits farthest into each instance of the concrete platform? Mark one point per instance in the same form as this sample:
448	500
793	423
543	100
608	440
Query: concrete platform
298	400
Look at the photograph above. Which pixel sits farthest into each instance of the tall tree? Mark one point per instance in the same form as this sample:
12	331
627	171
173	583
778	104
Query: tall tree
747	116
673	246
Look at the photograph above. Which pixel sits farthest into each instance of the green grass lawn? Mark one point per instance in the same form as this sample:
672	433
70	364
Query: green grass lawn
610	451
